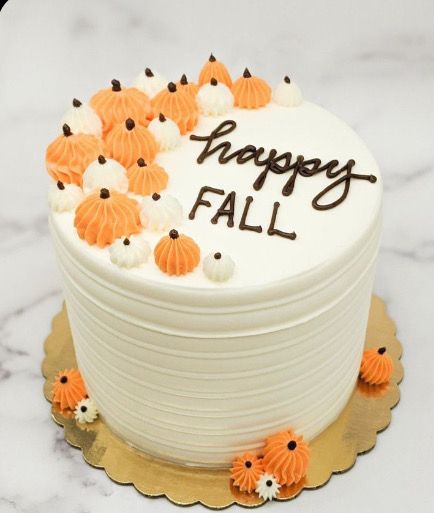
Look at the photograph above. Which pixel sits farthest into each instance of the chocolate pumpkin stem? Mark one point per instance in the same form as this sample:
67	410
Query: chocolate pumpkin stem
156	196
126	241
162	117
184	80
104	194
60	185
172	87
141	162
148	72
76	103
212	58
101	159
381	350
213	82
173	234
116	85
287	79
247	73
129	123
66	130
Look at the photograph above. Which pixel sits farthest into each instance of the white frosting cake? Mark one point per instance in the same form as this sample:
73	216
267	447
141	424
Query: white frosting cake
201	367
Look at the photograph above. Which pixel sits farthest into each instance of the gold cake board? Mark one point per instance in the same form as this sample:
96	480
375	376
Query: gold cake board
333	451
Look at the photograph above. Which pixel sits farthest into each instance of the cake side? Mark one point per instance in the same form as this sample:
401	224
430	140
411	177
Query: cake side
217	254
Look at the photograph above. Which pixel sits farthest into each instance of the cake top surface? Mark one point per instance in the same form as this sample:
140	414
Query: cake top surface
266	194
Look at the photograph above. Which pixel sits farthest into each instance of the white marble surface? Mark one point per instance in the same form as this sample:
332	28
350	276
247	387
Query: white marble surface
370	62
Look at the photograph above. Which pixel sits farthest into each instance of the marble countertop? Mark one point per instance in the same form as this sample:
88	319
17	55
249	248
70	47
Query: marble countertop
371	63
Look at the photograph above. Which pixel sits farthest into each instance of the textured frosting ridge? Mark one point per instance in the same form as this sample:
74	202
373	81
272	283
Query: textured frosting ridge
68	156
105	173
251	92
245	472
103	217
114	105
146	180
82	119
177	254
128	141
215	99
214	69
286	456
376	367
178	105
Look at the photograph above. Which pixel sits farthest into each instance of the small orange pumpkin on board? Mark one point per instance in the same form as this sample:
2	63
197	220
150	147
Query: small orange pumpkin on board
69	155
146	180
245	472
68	389
105	216
214	69
186	86
178	105
128	141
250	92
176	254
286	456
115	104
376	367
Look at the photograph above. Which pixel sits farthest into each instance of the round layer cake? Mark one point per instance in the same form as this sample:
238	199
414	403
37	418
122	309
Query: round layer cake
284	204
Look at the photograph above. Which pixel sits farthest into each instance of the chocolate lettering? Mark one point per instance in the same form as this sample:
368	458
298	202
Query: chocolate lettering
281	164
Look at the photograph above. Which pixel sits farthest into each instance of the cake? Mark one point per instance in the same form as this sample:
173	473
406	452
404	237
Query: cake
217	243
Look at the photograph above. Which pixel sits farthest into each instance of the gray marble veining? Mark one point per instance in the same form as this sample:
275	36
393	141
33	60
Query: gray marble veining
372	63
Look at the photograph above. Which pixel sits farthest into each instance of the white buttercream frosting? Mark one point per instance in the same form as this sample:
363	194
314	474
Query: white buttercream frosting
82	119
161	212
166	132
267	487
215	99
86	411
150	82
63	197
218	267
105	173
287	94
130	251
198	372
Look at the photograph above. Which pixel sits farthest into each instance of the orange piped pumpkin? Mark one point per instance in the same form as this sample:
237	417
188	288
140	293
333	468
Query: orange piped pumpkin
68	389
127	142
115	104
178	105
176	254
214	69
250	92
286	456
105	216
188	87
245	472
146	180
68	156
376	367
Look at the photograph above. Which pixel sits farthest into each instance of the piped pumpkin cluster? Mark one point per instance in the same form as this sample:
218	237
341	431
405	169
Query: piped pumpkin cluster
284	462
